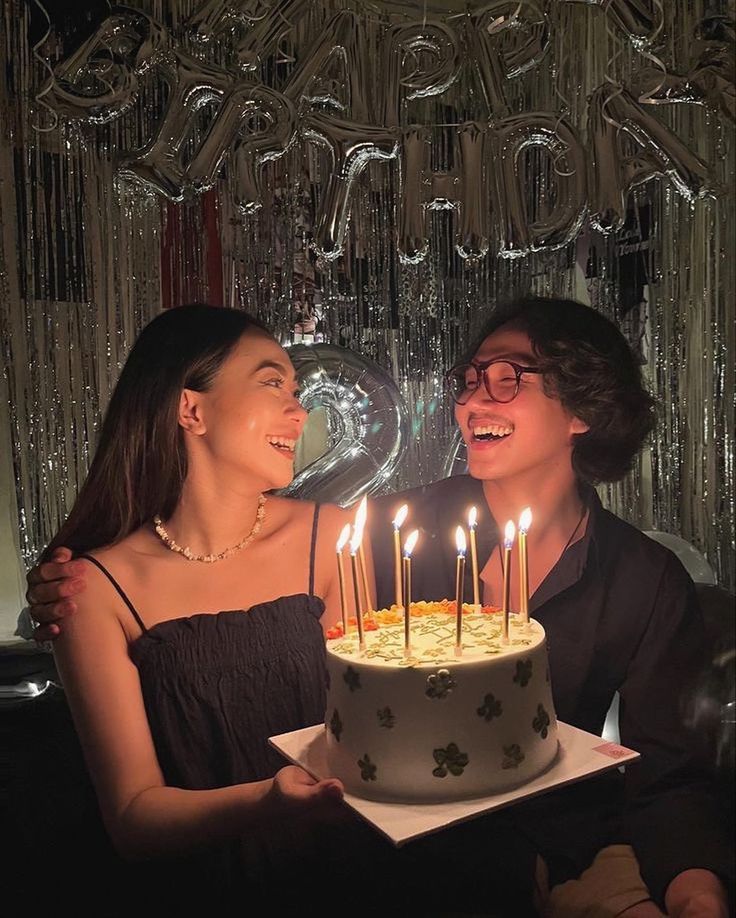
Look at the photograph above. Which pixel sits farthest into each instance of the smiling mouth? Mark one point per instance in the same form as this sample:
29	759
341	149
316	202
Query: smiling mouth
283	445
489	433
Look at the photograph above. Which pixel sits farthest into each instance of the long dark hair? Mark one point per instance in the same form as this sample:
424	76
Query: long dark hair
588	364
140	462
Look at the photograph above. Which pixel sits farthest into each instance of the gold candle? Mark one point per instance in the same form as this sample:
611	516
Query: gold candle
459	584
354	546
364	580
508	544
341	543
406	599
525	521
360	520
472	519
398	521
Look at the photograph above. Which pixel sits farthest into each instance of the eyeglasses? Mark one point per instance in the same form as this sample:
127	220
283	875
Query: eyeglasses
500	377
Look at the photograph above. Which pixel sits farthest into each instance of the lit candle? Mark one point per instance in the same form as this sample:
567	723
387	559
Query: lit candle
459	578
472	518
525	521
409	546
360	519
341	543
354	548
398	523
508	544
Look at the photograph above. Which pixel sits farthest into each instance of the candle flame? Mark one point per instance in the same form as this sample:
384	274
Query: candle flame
509	534
472	517
460	540
400	516
362	513
410	543
525	520
344	536
357	536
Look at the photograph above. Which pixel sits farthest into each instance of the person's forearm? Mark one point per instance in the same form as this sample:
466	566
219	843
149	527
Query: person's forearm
169	820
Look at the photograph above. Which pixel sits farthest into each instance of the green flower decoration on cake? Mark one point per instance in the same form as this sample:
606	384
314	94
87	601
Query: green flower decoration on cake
541	721
449	760
367	768
386	718
352	679
490	708
512	756
440	684
336	725
523	672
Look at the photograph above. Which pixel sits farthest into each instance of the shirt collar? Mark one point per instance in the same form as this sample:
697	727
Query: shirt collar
574	561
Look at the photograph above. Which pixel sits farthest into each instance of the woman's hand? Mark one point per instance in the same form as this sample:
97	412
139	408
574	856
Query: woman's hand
293	787
50	588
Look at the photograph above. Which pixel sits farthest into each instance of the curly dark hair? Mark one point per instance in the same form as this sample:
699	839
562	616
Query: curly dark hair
588	364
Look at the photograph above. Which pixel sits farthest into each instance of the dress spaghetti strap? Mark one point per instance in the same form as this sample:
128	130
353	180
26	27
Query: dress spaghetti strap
313	549
117	586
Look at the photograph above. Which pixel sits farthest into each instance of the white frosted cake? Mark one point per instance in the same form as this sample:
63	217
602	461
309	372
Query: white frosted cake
434	726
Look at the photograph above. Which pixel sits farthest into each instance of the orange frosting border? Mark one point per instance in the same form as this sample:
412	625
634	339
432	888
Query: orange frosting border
394	615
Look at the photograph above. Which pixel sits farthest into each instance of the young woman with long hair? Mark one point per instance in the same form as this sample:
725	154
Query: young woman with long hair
199	634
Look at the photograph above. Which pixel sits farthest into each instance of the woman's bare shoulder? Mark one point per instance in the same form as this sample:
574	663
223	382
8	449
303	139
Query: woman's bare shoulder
120	562
334	516
294	511
99	613
288	506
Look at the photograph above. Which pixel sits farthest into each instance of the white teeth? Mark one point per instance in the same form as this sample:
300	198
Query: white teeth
282	442
497	430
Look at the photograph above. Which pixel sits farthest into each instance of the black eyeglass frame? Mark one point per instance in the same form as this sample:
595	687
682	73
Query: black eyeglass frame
481	368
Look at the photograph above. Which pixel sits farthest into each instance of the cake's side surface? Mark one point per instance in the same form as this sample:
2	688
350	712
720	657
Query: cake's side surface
436	726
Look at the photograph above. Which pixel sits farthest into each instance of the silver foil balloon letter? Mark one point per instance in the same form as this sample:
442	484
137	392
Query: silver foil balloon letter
350	147
437	43
245	106
465	192
519	235
351	140
366	421
505	40
191	86
217	18
640	20
99	81
663	153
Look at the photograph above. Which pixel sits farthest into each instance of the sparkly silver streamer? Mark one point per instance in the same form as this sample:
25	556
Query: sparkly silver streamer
88	256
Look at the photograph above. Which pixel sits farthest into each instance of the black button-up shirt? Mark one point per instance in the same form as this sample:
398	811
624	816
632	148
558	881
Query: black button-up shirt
620	614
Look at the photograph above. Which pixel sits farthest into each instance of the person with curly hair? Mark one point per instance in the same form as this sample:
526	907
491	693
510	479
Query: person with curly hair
550	402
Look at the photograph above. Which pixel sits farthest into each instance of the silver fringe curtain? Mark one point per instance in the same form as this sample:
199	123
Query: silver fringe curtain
87	255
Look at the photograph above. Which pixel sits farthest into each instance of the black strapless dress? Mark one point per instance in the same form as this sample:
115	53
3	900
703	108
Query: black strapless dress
216	686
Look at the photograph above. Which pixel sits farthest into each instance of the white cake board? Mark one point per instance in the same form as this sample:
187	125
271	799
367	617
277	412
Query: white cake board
581	755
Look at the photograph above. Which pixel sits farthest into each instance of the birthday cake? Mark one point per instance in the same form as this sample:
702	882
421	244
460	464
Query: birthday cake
431	725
